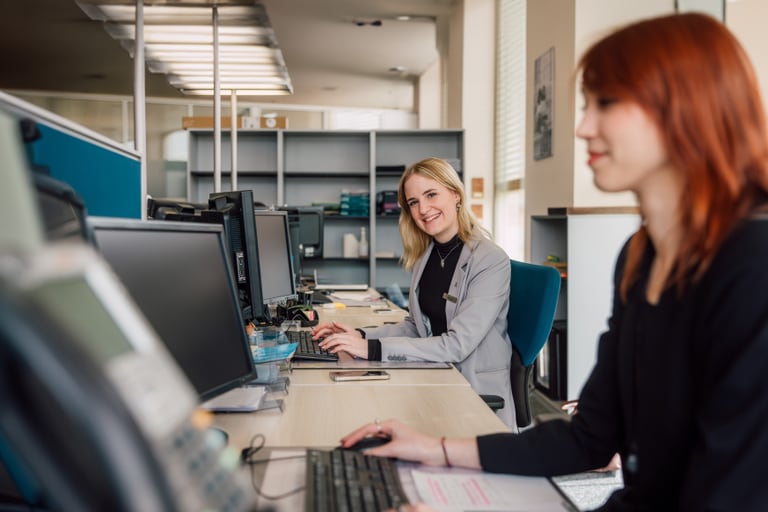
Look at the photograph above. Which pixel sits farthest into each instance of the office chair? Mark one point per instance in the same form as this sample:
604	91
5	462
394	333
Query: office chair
533	293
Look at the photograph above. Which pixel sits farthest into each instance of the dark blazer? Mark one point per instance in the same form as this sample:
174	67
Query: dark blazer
680	390
477	340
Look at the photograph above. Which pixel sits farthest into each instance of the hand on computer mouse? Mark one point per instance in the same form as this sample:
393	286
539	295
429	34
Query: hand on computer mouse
369	442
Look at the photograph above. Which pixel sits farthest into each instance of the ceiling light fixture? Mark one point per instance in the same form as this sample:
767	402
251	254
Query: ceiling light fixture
179	41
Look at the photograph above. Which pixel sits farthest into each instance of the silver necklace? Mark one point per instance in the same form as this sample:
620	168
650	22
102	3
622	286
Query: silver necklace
443	258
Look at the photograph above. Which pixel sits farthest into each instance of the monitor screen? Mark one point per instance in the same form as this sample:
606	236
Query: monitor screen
309	223
277	280
178	274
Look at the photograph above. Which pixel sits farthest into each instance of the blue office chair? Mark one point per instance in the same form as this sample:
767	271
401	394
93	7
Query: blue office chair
533	293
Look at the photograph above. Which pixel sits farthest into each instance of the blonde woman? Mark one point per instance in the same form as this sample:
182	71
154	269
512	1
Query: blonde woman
459	289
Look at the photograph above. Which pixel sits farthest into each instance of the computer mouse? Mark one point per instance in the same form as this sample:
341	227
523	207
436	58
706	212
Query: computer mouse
369	442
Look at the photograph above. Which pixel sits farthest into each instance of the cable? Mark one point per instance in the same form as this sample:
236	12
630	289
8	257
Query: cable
247	456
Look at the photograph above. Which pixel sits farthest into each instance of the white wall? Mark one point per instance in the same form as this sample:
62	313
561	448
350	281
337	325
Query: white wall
478	99
429	97
746	19
594	19
549	182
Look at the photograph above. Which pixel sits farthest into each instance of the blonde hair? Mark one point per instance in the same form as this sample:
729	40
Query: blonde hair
416	241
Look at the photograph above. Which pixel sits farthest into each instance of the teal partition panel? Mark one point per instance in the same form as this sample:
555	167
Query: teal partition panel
108	182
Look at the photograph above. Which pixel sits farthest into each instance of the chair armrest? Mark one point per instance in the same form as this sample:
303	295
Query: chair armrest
495	402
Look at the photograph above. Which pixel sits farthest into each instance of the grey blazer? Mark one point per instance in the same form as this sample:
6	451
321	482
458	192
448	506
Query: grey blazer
476	341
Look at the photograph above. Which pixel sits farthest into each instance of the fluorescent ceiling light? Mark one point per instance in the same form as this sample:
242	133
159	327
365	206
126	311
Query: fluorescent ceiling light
178	41
180	68
190	34
240	92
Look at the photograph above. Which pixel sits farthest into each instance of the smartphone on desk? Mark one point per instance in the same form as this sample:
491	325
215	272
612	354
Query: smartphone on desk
359	375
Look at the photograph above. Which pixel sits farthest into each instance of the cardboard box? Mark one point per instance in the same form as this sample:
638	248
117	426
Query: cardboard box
273	122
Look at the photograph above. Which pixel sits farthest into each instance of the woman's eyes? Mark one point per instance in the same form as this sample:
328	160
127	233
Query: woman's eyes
428	195
606	101
601	102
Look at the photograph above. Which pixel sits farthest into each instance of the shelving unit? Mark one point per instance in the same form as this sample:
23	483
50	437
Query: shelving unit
301	167
589	241
257	160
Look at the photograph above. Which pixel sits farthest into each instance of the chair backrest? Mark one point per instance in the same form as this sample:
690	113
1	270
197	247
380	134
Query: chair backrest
533	294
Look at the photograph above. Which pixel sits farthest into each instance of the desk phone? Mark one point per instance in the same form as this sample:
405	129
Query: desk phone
97	416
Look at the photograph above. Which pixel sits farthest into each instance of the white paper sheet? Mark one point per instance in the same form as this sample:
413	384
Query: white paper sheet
464	490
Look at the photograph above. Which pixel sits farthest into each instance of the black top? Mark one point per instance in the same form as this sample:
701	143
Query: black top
679	389
435	281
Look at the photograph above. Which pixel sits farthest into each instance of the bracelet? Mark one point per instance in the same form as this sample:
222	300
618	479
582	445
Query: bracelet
445	452
362	332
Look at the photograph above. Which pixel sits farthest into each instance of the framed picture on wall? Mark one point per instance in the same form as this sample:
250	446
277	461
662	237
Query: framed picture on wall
715	8
543	104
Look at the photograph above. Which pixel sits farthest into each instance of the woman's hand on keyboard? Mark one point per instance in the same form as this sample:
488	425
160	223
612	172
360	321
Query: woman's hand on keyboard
345	339
328	328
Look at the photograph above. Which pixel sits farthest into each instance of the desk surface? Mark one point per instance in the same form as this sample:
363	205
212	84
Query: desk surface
398	377
318	412
356	316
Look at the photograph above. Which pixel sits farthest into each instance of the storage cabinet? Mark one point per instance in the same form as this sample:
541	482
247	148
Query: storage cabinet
298	167
588	240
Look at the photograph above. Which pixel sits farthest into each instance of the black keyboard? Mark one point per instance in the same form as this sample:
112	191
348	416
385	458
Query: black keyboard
347	480
308	349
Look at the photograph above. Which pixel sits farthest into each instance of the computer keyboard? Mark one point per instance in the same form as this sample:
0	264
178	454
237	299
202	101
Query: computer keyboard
308	349
347	480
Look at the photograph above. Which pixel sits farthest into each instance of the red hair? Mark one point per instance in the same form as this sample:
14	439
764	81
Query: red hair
690	75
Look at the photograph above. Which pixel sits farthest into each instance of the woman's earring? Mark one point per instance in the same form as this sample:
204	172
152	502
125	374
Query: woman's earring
458	206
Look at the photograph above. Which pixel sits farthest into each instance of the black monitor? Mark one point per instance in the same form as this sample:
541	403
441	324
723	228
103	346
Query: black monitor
62	209
234	210
179	275
278	283
309	221
160	208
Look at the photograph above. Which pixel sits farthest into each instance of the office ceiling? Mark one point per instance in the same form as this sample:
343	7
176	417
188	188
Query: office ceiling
335	56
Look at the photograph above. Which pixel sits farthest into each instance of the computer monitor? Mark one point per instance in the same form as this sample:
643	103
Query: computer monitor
62	209
234	211
160	208
278	283
178	273
309	220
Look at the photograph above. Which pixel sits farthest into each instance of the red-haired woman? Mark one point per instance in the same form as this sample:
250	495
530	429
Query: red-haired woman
680	389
